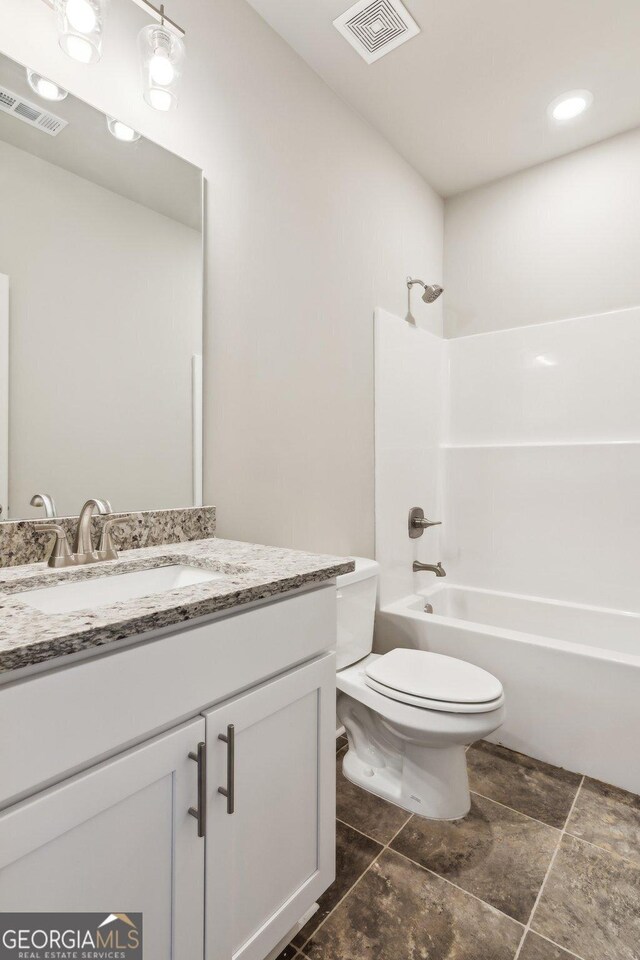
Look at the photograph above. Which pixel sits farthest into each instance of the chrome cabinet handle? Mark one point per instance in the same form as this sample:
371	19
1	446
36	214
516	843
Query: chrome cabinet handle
200	813
230	790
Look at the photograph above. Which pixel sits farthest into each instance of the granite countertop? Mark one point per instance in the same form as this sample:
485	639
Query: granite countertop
251	572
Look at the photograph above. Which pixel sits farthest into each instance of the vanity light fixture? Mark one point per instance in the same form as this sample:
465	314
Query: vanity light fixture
80	28
162	51
46	89
570	105
162	56
121	131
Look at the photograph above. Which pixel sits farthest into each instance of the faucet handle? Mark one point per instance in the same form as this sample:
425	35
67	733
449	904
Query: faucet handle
60	555
418	523
106	549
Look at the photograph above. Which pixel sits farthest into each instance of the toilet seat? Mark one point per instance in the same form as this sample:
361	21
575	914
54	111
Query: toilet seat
432	723
433	682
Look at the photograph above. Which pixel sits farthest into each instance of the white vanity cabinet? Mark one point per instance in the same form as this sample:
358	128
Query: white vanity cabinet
116	838
216	875
270	844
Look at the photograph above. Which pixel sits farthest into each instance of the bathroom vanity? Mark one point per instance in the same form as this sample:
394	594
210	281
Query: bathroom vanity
172	754
167	719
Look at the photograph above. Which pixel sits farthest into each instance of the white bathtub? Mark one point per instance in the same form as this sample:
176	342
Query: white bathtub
571	673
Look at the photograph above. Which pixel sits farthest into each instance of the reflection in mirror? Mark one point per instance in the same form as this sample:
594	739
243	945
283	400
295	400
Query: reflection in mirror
100	310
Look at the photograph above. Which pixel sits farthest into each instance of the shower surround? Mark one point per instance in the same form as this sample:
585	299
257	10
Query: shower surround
526	444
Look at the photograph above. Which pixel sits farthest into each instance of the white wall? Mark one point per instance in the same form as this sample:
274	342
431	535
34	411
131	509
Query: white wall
100	349
313	221
556	241
528	450
542	461
410	389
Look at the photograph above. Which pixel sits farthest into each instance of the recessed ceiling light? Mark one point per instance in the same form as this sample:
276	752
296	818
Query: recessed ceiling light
121	131
570	105
46	89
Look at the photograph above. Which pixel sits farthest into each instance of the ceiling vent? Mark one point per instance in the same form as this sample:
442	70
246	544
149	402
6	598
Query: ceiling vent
30	113
376	27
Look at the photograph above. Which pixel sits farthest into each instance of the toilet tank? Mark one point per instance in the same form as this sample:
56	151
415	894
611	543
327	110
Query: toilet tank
356	611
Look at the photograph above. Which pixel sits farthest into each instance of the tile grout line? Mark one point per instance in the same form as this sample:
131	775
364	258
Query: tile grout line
499	803
564	829
548	872
609	853
433	873
574	956
456	887
362	833
355	884
388	847
513	810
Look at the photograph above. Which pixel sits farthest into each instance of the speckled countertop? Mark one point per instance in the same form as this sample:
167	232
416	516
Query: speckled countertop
251	572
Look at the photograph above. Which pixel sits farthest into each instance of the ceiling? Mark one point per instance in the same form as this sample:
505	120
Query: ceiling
466	100
143	171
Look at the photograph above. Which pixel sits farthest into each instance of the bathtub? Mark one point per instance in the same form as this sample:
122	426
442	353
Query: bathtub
571	672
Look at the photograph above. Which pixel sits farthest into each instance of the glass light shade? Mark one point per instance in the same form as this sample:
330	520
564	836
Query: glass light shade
162	57
121	131
44	88
80	28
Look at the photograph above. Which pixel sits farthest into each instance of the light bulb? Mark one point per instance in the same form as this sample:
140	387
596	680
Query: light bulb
162	56
570	105
161	69
160	99
78	48
81	16
80	28
46	89
121	131
570	108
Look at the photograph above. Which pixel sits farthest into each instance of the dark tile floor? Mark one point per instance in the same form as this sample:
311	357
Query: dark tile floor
546	866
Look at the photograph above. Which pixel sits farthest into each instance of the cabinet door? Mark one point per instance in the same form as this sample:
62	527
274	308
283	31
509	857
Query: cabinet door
272	857
116	839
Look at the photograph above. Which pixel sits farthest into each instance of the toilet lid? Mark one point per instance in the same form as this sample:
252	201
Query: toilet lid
431	676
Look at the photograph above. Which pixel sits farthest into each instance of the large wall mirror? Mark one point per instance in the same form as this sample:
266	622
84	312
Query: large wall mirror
101	280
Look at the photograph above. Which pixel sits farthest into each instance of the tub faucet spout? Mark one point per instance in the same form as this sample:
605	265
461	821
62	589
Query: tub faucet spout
436	568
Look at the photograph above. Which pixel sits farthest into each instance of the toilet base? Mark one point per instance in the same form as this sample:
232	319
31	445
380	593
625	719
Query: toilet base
429	781
409	755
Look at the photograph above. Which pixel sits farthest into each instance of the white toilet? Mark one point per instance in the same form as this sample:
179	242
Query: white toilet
408	714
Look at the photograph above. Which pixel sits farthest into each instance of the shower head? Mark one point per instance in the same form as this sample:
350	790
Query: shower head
430	293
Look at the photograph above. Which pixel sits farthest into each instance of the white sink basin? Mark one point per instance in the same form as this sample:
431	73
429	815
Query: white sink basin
101	591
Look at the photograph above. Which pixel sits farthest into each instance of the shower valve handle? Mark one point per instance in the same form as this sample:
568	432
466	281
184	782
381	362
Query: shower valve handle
418	523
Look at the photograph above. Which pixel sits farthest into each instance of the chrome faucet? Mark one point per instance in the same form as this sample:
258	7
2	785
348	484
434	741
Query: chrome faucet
436	568
83	550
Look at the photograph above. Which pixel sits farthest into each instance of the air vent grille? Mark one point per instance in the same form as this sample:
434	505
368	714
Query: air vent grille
376	27
30	113
7	99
